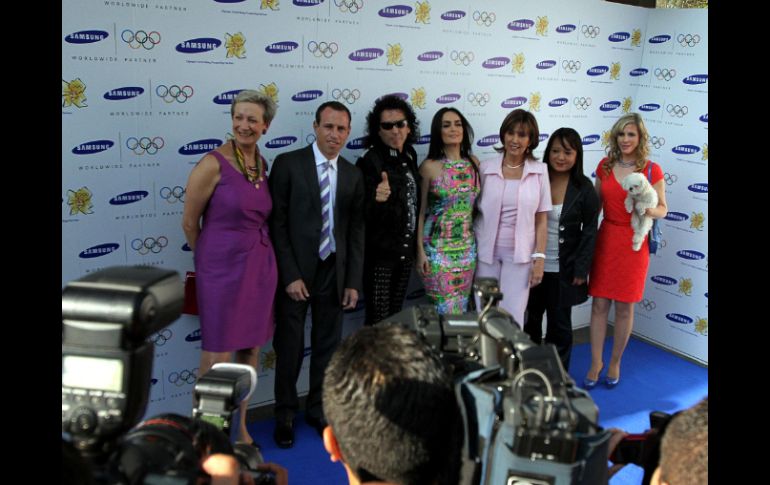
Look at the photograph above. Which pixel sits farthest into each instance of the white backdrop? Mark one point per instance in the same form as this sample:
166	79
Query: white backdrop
146	88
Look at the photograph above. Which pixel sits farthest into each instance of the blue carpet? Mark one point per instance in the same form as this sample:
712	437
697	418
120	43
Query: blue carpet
652	380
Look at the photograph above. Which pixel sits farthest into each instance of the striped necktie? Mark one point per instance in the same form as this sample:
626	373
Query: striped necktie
326	208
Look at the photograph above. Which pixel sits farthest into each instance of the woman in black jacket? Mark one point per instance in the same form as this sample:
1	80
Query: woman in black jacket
392	195
570	247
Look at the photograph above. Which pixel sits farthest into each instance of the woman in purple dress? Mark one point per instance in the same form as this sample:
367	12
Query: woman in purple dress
227	204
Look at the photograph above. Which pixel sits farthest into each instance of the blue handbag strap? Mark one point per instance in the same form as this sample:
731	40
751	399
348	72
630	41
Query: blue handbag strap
649	172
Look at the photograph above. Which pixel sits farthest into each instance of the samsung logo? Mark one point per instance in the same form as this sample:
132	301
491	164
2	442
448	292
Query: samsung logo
513	102
281	47
639	71
597	70
402	96
488	140
545	64
609	106
495	62
679	318
186	247
619	37
587	140
395	11
453	15
229	1
193	336
521	24
696	79
676	216
199	146
555	103
196	46
566	28
91	147
282	141
649	107
423	140
307	95
86	36
543	137
129	197
430	56
685	149
699	188
127	92
659	39
448	98
365	54
227	97
356	144
690	254
100	250
663	280
307	3
704	118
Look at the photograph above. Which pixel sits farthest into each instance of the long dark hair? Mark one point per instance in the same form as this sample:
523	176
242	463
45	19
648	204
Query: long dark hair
570	138
436	147
390	101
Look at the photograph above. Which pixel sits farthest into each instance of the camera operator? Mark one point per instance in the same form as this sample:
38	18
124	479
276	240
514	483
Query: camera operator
684	448
225	470
392	414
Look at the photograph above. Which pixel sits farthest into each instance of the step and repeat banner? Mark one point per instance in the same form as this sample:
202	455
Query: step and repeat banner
146	89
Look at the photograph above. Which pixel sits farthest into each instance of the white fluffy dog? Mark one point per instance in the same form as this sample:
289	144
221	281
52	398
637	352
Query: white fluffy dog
641	196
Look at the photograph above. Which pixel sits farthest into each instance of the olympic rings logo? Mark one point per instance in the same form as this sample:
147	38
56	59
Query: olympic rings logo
149	244
351	6
665	74
581	103
173	93
310	139
570	66
484	18
172	195
478	99
590	31
462	57
347	95
670	178
140	39
145	145
162	337
648	305
187	376
676	110
687	40
325	49
657	142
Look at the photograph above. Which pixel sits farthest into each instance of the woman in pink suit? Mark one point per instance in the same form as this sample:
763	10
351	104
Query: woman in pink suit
511	228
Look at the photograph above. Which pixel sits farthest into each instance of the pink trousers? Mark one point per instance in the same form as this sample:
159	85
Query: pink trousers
514	281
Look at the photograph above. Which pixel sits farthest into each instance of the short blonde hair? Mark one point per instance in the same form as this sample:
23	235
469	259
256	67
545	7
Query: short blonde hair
252	96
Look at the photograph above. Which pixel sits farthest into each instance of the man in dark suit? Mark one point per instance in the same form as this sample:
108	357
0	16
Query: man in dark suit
318	234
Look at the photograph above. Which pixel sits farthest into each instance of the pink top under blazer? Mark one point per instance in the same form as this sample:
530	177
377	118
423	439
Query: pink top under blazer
534	196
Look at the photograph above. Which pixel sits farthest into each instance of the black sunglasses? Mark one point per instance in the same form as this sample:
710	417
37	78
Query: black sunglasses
388	125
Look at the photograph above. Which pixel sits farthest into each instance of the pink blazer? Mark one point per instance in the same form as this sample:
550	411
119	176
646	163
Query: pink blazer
534	197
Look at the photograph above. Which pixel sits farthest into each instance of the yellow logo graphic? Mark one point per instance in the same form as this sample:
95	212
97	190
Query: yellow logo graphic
80	201
636	38
422	13
73	93
705	155
268	360
606	138
697	220
418	98
627	104
541	27
517	63
394	54
685	286
271	4
615	71
235	45
534	101
269	90
702	325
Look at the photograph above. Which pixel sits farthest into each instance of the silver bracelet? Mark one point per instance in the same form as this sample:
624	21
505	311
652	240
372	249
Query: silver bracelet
538	255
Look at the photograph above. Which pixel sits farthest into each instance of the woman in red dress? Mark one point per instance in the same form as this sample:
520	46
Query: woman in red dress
618	272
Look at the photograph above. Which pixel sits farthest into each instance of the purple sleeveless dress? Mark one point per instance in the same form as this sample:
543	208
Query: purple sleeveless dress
235	264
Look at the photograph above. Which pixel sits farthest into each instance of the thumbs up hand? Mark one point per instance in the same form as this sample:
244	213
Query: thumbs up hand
383	189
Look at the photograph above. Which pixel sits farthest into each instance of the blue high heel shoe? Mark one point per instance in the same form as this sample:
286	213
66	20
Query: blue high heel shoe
589	384
611	382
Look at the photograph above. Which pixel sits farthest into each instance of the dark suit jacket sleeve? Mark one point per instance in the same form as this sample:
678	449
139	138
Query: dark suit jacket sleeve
280	189
355	237
590	217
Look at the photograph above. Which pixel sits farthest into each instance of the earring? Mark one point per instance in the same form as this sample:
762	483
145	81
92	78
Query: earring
264	131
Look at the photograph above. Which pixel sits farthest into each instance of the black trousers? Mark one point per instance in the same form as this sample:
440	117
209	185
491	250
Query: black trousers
289	340
544	298
385	285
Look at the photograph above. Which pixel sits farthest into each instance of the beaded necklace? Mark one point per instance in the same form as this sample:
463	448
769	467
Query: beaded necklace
252	174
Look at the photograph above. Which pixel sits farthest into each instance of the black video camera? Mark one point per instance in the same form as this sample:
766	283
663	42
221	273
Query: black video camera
106	370
525	421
